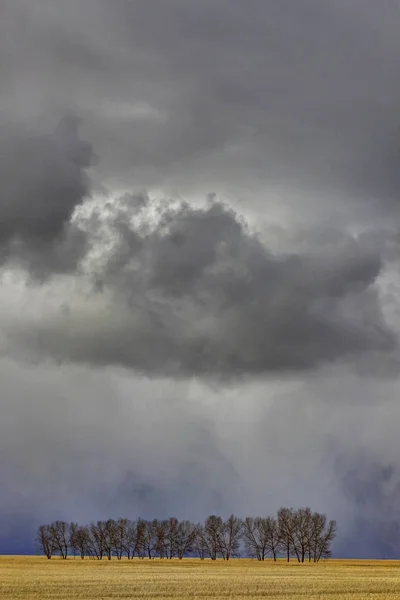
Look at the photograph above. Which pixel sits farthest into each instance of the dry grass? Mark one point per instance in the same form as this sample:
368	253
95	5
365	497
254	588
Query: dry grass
33	578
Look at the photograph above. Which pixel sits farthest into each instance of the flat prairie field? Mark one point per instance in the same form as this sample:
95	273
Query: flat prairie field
34	578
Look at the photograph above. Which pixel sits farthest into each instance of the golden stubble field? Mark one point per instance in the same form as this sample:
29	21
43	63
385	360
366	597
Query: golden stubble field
32	578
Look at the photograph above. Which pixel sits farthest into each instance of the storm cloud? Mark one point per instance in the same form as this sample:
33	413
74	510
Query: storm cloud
43	179
199	225
192	291
216	97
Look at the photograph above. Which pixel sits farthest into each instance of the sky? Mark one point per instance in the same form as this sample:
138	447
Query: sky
199	262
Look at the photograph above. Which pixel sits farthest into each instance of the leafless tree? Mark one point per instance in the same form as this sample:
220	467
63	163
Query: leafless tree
44	541
73	527
286	527
131	548
79	539
121	544
305	534
322	535
213	530
59	532
199	543
302	534
261	537
97	540
230	536
160	538
184	538
149	539
171	538
140	541
270	534
252	542
110	537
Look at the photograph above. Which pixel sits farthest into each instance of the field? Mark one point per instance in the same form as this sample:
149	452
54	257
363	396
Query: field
32	578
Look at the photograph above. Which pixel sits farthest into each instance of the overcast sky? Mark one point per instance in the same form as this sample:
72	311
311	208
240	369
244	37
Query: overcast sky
199	250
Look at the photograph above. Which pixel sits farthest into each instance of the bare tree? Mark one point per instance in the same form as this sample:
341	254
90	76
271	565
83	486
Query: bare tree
302	533
149	539
322	536
230	536
213	529
252	542
97	540
261	537
184	538
140	542
171	540
270	535
286	526
200	544
44	541
160	534
110	536
79	539
121	545
59	532
73	527
131	548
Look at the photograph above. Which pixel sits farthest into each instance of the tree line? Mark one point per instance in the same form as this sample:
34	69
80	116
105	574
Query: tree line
300	534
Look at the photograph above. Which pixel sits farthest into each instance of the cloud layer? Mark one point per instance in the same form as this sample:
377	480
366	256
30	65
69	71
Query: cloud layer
186	291
218	96
207	339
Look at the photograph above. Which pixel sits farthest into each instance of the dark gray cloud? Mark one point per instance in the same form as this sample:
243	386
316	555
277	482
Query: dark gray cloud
43	180
372	487
192	291
220	95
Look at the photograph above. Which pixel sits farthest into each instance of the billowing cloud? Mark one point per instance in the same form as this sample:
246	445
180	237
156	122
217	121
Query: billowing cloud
192	291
